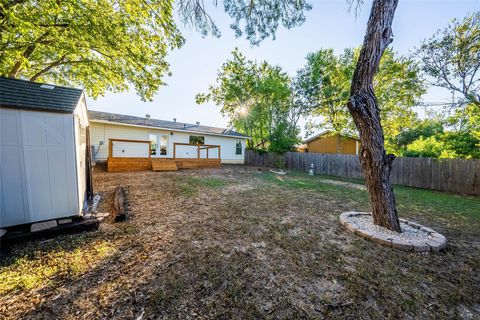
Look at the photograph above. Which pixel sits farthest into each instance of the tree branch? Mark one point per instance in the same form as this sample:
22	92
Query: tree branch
26	54
47	68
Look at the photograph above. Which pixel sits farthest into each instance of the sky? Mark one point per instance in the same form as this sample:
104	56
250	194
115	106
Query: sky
328	25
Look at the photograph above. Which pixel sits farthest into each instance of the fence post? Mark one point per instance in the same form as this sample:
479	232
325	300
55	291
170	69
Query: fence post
452	175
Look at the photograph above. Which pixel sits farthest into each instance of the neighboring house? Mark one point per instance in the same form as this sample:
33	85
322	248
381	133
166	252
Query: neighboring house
44	173
168	139
301	148
331	142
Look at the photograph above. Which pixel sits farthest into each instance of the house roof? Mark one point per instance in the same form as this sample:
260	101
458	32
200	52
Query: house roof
24	94
103	117
329	132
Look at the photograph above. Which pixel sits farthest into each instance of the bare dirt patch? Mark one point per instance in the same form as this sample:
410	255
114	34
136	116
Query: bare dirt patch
345	184
235	243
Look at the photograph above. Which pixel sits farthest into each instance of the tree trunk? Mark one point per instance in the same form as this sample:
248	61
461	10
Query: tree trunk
18	65
376	164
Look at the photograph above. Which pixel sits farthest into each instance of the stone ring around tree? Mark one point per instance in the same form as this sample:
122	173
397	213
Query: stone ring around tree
414	237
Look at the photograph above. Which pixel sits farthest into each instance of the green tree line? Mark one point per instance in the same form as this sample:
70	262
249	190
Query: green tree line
266	103
114	46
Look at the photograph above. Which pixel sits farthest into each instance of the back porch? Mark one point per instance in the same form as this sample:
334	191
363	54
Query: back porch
200	158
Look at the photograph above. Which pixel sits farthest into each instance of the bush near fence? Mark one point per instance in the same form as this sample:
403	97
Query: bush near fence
451	175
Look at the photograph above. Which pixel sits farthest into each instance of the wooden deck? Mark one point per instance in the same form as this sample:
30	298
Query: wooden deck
165	164
120	164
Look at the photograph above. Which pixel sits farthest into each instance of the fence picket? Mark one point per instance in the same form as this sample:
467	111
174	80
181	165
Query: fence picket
452	175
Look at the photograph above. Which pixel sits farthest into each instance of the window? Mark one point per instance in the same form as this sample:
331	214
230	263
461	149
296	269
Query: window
163	144
238	147
196	140
158	144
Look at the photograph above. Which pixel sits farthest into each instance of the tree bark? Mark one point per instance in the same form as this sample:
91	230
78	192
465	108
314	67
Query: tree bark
363	107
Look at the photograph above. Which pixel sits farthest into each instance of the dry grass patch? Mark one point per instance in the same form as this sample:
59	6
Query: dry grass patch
236	243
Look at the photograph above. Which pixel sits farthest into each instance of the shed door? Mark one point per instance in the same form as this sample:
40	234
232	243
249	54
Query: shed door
49	151
13	205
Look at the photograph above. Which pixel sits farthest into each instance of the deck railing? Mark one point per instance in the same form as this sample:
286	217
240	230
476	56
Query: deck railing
111	142
199	147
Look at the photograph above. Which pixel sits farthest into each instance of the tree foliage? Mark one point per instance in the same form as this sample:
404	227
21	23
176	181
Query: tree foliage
444	145
257	20
257	100
451	59
325	82
430	138
424	128
96	44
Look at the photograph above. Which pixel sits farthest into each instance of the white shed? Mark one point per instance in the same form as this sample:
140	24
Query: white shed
44	172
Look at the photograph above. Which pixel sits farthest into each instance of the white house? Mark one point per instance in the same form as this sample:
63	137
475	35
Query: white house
43	146
168	139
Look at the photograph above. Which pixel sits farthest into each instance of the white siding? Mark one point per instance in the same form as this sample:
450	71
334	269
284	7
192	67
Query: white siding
103	132
130	149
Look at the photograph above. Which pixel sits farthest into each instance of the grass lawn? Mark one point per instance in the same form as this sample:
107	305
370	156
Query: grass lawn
239	243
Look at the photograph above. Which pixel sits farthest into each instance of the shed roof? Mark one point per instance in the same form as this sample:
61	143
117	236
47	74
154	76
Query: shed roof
25	94
328	132
98	116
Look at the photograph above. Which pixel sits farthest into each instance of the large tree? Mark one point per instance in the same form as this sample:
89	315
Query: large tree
325	82
363	107
260	19
98	45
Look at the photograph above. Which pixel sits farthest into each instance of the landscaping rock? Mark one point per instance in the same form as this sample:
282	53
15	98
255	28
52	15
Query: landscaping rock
420	247
352	227
414	225
39	226
402	245
414	237
436	246
364	234
383	242
438	237
428	230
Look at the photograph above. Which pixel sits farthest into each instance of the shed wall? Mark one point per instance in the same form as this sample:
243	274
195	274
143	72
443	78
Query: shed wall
13	196
80	119
38	169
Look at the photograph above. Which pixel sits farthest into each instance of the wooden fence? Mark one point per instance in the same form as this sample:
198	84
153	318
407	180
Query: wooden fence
451	175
